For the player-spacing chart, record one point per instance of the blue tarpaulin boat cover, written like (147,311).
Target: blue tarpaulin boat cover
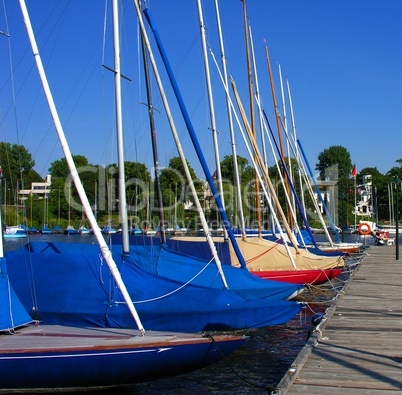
(72,285)
(12,313)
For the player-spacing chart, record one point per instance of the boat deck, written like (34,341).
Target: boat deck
(357,349)
(34,338)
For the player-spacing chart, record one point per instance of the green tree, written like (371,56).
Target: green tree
(137,171)
(175,189)
(70,205)
(31,176)
(138,179)
(227,169)
(59,168)
(246,176)
(394,172)
(17,165)
(173,177)
(335,155)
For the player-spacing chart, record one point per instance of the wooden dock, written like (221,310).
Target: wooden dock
(357,348)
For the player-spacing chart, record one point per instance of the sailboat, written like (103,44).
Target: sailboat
(84,290)
(14,232)
(159,258)
(36,357)
(83,230)
(244,251)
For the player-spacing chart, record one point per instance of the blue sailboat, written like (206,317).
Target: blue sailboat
(77,287)
(45,230)
(36,357)
(108,230)
(82,230)
(64,359)
(162,260)
(70,230)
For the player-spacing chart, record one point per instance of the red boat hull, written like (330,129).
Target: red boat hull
(313,276)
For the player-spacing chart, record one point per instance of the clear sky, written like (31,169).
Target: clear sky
(342,58)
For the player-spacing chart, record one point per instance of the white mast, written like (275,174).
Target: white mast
(73,170)
(211,108)
(295,144)
(258,97)
(285,127)
(230,120)
(178,145)
(119,128)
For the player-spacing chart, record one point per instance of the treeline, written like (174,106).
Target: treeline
(62,207)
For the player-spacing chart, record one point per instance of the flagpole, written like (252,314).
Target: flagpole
(354,176)
(355,201)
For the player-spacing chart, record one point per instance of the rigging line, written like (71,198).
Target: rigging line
(105,150)
(26,252)
(9,302)
(27,50)
(14,104)
(175,290)
(253,160)
(133,144)
(254,258)
(104,33)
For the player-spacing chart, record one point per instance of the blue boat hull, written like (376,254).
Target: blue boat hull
(44,371)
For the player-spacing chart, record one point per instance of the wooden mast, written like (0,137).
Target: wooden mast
(252,120)
(278,124)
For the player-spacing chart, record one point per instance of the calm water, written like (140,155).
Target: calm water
(255,368)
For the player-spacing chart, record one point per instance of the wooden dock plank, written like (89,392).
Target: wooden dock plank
(358,348)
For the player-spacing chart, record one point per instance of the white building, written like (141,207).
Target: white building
(364,207)
(40,189)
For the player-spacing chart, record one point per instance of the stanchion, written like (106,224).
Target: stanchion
(398,182)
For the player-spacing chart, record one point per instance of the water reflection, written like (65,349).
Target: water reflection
(255,368)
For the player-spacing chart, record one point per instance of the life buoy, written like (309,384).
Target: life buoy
(364,229)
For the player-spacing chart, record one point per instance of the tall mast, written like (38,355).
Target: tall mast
(254,159)
(119,127)
(295,144)
(211,107)
(230,120)
(285,128)
(252,121)
(153,140)
(258,99)
(178,145)
(258,162)
(278,124)
(194,139)
(74,172)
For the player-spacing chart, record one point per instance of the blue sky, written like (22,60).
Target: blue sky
(342,58)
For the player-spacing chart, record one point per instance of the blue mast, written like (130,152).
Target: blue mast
(194,140)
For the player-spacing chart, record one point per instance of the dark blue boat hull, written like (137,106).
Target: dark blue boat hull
(44,371)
